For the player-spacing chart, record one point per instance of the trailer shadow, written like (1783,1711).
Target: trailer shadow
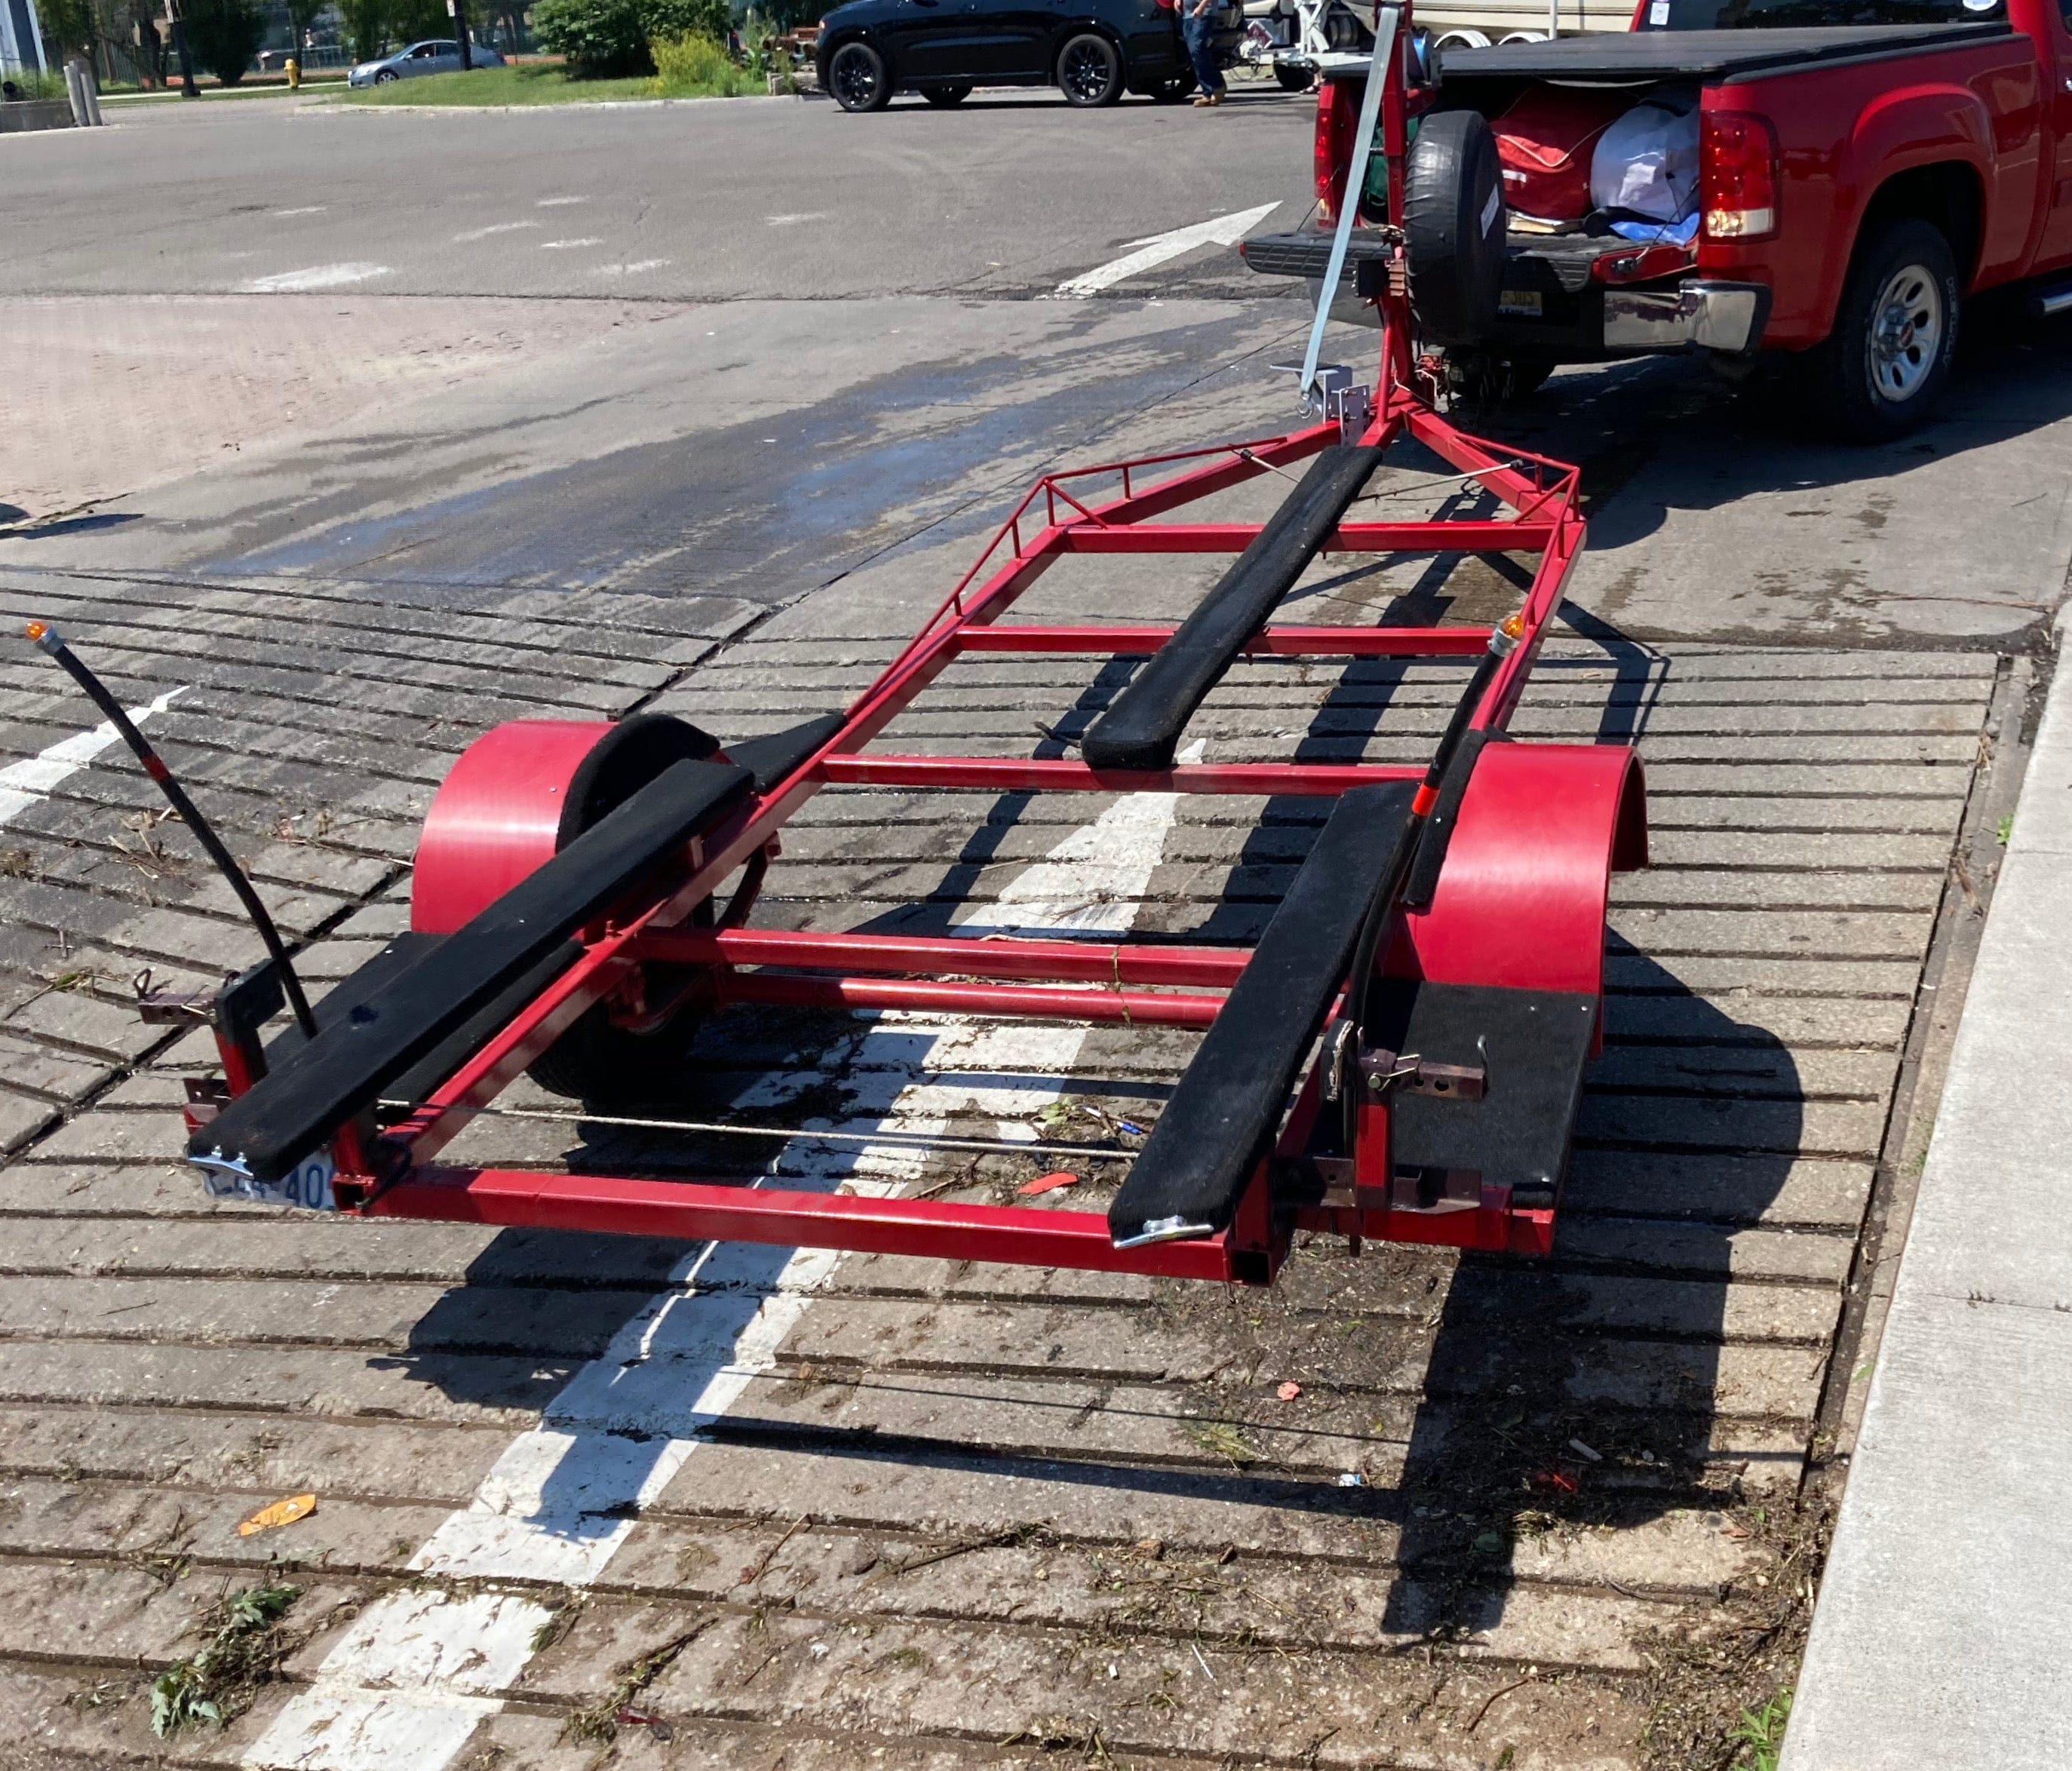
(1588,1392)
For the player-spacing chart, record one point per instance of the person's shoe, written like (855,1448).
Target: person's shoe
(1205,100)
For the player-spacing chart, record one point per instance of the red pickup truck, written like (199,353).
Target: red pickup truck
(1855,180)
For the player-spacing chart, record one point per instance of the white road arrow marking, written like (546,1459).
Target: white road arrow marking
(1223,231)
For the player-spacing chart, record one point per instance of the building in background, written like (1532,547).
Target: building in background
(21,38)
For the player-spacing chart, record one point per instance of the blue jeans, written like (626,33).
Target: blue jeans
(1195,32)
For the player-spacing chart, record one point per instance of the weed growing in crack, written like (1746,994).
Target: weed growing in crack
(243,1653)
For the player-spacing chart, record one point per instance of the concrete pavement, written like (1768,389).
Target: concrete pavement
(879,1510)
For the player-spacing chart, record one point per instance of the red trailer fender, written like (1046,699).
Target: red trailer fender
(1521,900)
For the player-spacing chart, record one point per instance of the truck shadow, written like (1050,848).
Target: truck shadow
(1654,436)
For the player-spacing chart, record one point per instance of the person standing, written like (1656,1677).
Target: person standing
(1196,30)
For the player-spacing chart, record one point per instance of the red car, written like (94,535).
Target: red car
(1860,166)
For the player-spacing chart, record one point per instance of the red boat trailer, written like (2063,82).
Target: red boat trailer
(1431,987)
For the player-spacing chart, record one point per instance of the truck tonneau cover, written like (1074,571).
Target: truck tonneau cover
(1715,55)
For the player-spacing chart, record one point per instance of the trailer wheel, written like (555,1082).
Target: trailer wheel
(605,1066)
(1454,225)
(1883,367)
(1089,71)
(1294,80)
(596,1061)
(946,96)
(1171,92)
(858,79)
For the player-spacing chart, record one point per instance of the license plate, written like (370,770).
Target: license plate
(309,1185)
(1523,303)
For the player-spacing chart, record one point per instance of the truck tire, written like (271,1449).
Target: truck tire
(1883,367)
(1454,226)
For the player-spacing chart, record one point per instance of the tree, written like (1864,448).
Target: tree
(366,26)
(225,35)
(302,14)
(67,25)
(612,36)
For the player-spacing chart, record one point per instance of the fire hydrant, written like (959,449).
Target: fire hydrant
(294,74)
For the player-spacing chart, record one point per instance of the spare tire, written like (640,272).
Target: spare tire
(1454,227)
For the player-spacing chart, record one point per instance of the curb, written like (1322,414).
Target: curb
(1939,1637)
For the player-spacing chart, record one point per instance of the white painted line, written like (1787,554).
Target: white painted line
(563,245)
(558,203)
(632,270)
(313,209)
(404,1690)
(29,783)
(497,227)
(1223,231)
(790,221)
(293,282)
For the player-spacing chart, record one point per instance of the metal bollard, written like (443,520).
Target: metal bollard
(72,92)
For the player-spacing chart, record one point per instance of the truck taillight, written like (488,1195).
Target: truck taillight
(1737,176)
(1338,117)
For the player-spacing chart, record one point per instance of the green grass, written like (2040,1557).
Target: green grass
(524,84)
(1763,1732)
(33,85)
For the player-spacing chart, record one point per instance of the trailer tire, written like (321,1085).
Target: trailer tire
(1454,226)
(1294,80)
(1883,368)
(595,1061)
(943,97)
(606,1066)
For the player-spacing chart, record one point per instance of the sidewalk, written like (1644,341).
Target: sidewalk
(1940,1637)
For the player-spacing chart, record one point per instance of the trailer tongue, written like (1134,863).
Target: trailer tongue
(1400,1056)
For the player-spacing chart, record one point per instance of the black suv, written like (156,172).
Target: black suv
(1094,51)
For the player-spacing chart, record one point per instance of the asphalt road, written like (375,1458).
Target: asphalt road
(722,200)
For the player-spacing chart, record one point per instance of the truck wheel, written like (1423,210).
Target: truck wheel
(858,79)
(1089,71)
(1883,367)
(1454,225)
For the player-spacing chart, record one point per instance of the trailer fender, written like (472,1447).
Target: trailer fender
(525,789)
(1521,899)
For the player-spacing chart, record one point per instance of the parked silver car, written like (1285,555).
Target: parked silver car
(437,56)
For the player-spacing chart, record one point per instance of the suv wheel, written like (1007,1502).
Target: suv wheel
(857,80)
(1883,365)
(1089,71)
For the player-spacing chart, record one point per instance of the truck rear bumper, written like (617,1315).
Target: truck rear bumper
(1727,317)
(1559,310)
